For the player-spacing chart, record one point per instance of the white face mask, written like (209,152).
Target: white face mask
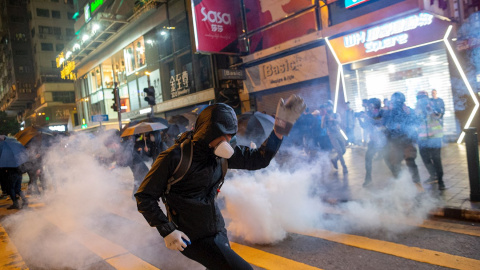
(223,150)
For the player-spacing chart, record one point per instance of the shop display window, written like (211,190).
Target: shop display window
(107,74)
(134,55)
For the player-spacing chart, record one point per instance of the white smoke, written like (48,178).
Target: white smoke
(86,193)
(264,206)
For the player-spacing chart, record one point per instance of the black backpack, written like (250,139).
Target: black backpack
(186,148)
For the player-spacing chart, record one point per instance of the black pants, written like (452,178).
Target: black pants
(372,149)
(398,150)
(215,253)
(432,158)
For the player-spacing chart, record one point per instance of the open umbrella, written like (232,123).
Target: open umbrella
(143,127)
(12,153)
(254,126)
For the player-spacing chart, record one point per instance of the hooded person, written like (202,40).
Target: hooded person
(401,126)
(195,225)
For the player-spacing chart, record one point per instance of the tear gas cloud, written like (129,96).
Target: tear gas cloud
(84,193)
(294,194)
(300,195)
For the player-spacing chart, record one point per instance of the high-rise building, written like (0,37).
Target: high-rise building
(17,91)
(51,26)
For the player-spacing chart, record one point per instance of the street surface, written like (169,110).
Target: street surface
(119,238)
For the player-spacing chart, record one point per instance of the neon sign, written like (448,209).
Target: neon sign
(387,35)
(352,3)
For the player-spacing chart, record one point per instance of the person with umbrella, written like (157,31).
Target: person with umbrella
(125,155)
(12,156)
(194,218)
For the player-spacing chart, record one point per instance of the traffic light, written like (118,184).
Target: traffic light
(115,104)
(150,98)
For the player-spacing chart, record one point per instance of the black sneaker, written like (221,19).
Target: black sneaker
(442,187)
(14,206)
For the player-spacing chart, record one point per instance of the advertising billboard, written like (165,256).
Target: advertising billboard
(260,13)
(216,25)
(287,30)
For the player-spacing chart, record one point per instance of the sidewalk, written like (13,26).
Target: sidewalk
(456,198)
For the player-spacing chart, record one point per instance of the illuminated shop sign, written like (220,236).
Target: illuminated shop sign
(87,13)
(387,35)
(352,3)
(95,4)
(406,32)
(67,67)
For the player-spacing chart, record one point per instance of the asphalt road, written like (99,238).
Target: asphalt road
(42,237)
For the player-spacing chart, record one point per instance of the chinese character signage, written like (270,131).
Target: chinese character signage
(410,31)
(352,3)
(216,25)
(179,84)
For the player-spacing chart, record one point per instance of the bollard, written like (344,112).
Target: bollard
(471,143)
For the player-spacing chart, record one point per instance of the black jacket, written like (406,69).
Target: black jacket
(192,200)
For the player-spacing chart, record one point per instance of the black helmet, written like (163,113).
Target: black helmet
(375,102)
(398,98)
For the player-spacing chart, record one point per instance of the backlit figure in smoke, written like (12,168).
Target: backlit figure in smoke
(401,125)
(194,224)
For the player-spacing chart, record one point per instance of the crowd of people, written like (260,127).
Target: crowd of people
(392,130)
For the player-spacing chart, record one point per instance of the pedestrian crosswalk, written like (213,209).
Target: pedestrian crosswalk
(303,254)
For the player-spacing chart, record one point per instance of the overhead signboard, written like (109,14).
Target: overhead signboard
(410,31)
(216,24)
(231,74)
(352,3)
(299,67)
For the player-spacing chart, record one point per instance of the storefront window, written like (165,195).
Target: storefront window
(181,33)
(205,72)
(135,56)
(119,68)
(143,83)
(164,39)
(133,94)
(155,82)
(107,74)
(409,75)
(98,78)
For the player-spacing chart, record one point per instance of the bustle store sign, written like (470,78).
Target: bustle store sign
(410,31)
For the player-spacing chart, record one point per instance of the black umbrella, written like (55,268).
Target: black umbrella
(174,129)
(12,153)
(254,126)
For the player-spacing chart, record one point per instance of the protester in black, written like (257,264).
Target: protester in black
(195,216)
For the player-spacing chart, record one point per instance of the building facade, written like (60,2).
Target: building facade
(51,27)
(16,68)
(334,49)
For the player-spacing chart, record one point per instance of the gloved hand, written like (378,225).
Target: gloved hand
(287,113)
(174,240)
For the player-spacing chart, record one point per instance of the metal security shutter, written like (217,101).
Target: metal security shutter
(313,94)
(409,75)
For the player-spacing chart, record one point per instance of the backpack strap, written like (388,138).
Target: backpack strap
(224,162)
(184,164)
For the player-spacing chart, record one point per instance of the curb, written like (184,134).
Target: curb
(457,213)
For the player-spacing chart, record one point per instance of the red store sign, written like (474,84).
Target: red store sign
(216,24)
